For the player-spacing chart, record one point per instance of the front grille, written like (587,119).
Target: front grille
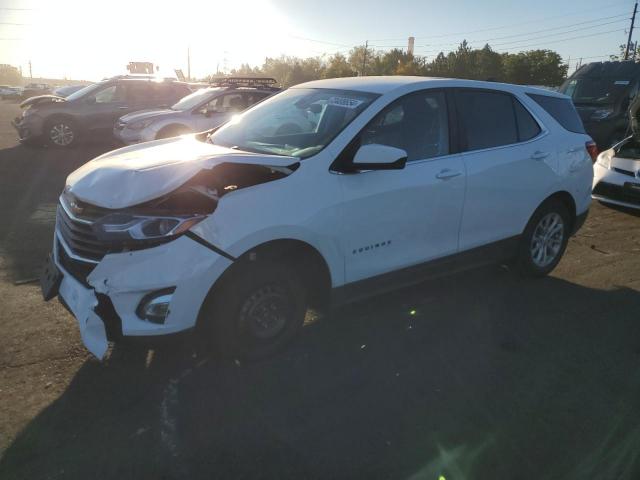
(79,236)
(624,172)
(616,192)
(76,268)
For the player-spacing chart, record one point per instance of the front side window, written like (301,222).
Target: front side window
(416,123)
(298,122)
(487,119)
(194,99)
(111,94)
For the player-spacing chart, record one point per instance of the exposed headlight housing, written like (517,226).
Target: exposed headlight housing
(604,159)
(124,227)
(601,113)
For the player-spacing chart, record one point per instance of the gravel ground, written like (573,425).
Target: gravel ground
(480,375)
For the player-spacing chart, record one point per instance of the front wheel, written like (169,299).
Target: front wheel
(256,310)
(61,133)
(544,240)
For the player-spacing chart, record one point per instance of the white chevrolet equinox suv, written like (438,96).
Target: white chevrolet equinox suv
(327,192)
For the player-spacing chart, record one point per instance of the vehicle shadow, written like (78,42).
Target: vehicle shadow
(480,375)
(31,179)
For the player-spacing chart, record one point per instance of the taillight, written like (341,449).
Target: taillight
(592,148)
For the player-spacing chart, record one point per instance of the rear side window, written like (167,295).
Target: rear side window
(528,128)
(487,119)
(562,110)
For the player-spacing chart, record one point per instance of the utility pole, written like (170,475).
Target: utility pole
(30,72)
(633,19)
(635,49)
(188,64)
(364,57)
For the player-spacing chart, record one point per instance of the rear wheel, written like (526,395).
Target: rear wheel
(61,133)
(544,240)
(256,310)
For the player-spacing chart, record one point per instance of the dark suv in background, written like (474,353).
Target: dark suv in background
(602,93)
(92,111)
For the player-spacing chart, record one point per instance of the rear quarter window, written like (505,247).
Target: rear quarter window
(562,110)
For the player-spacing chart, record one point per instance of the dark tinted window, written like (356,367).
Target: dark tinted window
(416,123)
(527,126)
(562,110)
(487,119)
(139,92)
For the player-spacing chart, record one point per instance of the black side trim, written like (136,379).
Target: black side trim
(496,252)
(210,246)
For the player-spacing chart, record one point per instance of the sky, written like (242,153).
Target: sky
(87,39)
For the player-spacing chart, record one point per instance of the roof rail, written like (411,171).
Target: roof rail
(243,82)
(141,76)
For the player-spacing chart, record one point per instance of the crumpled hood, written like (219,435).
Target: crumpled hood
(42,99)
(146,115)
(139,173)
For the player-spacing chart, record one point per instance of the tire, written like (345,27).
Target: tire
(256,310)
(544,240)
(172,131)
(61,133)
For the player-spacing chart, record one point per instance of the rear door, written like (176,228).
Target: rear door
(510,162)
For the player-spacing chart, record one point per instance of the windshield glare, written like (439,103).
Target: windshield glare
(298,122)
(596,90)
(193,99)
(83,91)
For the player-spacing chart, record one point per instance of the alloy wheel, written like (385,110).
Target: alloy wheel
(546,241)
(61,134)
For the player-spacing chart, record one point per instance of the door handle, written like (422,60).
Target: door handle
(575,149)
(124,107)
(538,155)
(447,174)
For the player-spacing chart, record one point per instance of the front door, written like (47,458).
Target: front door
(399,218)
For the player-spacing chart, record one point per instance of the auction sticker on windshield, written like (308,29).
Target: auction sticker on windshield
(345,102)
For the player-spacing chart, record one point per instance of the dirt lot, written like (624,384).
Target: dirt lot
(477,376)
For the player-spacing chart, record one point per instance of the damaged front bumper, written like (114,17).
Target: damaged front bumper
(105,298)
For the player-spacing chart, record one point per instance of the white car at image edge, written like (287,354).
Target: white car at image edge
(235,233)
(617,175)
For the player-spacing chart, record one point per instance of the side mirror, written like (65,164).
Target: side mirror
(379,157)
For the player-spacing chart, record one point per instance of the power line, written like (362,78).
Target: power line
(521,34)
(17,9)
(17,24)
(320,41)
(510,25)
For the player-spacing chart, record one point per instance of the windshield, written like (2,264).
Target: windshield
(83,91)
(194,99)
(596,90)
(298,122)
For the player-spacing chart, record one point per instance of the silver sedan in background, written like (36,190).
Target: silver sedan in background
(203,109)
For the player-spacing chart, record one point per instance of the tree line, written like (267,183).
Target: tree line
(533,67)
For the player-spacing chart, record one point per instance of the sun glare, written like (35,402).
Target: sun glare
(73,39)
